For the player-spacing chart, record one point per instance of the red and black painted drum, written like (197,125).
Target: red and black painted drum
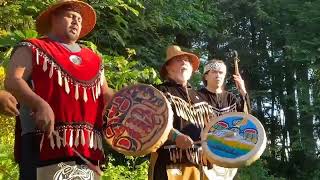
(138,120)
(234,140)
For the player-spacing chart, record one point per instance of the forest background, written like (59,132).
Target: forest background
(278,42)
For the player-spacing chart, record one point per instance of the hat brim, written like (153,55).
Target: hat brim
(43,22)
(195,62)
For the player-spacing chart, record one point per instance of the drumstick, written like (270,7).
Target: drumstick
(177,154)
(170,153)
(196,155)
(88,163)
(236,60)
(199,142)
(174,156)
(236,67)
(188,155)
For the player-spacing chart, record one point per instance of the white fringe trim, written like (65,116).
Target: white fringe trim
(198,113)
(77,137)
(64,78)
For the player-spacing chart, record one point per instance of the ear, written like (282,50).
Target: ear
(205,76)
(168,66)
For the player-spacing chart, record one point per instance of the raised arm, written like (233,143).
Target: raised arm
(243,104)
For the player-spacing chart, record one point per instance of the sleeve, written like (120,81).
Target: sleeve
(201,94)
(161,88)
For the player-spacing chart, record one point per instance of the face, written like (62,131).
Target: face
(215,78)
(67,25)
(179,68)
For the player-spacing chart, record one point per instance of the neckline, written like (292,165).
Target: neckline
(67,47)
(174,83)
(222,92)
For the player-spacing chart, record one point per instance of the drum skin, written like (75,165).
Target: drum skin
(138,120)
(234,140)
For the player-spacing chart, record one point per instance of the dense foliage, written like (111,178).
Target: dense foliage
(277,41)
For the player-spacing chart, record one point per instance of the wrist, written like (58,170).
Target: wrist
(175,135)
(243,92)
(39,104)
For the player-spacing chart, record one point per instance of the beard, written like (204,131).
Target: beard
(179,74)
(184,75)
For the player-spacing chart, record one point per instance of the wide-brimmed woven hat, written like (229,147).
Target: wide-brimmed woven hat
(174,51)
(87,12)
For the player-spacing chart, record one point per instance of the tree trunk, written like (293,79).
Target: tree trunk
(308,141)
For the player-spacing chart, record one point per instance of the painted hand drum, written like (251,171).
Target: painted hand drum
(138,120)
(234,140)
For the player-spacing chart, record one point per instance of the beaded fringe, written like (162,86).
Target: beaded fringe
(197,113)
(77,136)
(64,80)
(193,154)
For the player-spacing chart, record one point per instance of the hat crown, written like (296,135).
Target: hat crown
(62,1)
(43,25)
(173,51)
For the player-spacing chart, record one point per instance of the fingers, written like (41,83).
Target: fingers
(184,141)
(9,106)
(9,112)
(44,118)
(189,141)
(42,121)
(51,128)
(41,124)
(12,106)
(240,84)
(46,126)
(13,100)
(237,78)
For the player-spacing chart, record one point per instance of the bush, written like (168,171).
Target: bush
(8,167)
(128,171)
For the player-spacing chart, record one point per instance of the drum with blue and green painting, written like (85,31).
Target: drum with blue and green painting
(234,140)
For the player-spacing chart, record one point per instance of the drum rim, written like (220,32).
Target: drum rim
(165,132)
(241,161)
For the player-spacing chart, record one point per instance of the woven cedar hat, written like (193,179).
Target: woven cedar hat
(174,51)
(87,12)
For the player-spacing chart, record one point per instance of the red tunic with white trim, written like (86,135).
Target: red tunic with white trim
(71,84)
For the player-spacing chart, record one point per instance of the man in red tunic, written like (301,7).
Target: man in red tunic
(61,89)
